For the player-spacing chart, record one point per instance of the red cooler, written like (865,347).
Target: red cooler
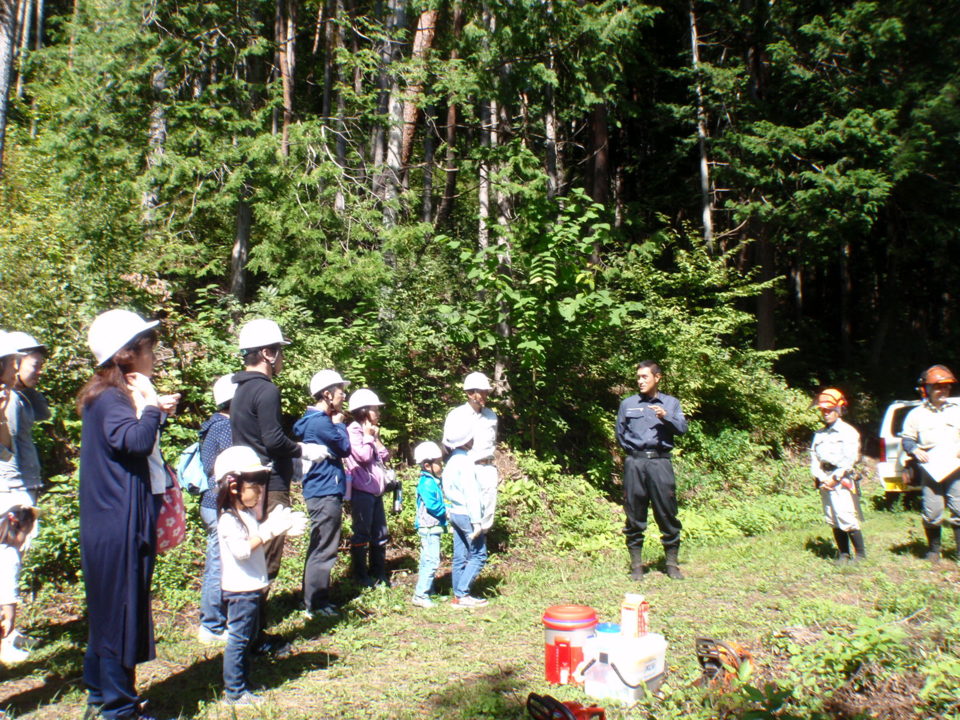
(565,630)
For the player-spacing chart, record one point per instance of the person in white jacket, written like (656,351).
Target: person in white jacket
(465,510)
(242,480)
(477,387)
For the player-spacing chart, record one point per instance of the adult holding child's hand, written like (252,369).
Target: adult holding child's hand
(122,417)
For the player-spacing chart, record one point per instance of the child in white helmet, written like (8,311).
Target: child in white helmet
(465,510)
(324,484)
(16,524)
(368,480)
(14,410)
(430,520)
(35,408)
(242,480)
(215,437)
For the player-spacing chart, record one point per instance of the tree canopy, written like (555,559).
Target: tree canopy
(756,194)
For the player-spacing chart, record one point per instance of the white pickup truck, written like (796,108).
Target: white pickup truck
(890,455)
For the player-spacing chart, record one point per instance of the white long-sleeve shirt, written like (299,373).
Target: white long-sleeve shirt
(244,570)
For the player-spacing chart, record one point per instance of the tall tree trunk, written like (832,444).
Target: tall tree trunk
(37,46)
(429,147)
(9,11)
(846,311)
(487,119)
(600,154)
(450,136)
(706,196)
(285,27)
(600,165)
(551,156)
(331,41)
(422,42)
(551,160)
(766,303)
(393,146)
(74,19)
(319,28)
(25,16)
(241,247)
(157,142)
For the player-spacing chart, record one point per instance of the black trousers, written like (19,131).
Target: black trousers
(325,520)
(650,481)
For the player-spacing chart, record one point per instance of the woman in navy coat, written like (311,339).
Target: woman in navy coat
(118,512)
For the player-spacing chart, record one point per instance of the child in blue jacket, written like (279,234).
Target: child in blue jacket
(431,519)
(323,486)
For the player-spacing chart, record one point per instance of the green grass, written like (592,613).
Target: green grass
(776,593)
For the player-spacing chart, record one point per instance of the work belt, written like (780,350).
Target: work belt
(649,454)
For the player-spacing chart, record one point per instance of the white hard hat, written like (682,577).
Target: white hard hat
(25,342)
(458,428)
(224,389)
(237,460)
(324,379)
(8,345)
(364,398)
(261,333)
(477,381)
(426,451)
(111,331)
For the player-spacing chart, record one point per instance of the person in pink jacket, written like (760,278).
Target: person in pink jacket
(369,478)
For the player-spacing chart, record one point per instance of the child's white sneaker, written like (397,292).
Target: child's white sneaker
(208,637)
(10,654)
(24,642)
(422,601)
(245,699)
(468,601)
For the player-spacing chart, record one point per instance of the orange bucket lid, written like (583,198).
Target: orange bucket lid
(569,616)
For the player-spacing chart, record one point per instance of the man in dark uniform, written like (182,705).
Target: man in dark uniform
(646,425)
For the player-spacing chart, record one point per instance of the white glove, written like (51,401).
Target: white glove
(314,452)
(298,524)
(477,531)
(276,523)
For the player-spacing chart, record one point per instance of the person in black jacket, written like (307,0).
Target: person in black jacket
(256,422)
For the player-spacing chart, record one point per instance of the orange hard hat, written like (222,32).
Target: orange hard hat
(937,374)
(830,399)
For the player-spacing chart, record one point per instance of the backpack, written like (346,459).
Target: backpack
(190,473)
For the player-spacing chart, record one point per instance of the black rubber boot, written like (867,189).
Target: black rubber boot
(358,554)
(673,565)
(843,545)
(636,563)
(933,542)
(856,537)
(378,565)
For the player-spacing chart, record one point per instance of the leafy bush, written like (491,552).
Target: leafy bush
(840,654)
(54,557)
